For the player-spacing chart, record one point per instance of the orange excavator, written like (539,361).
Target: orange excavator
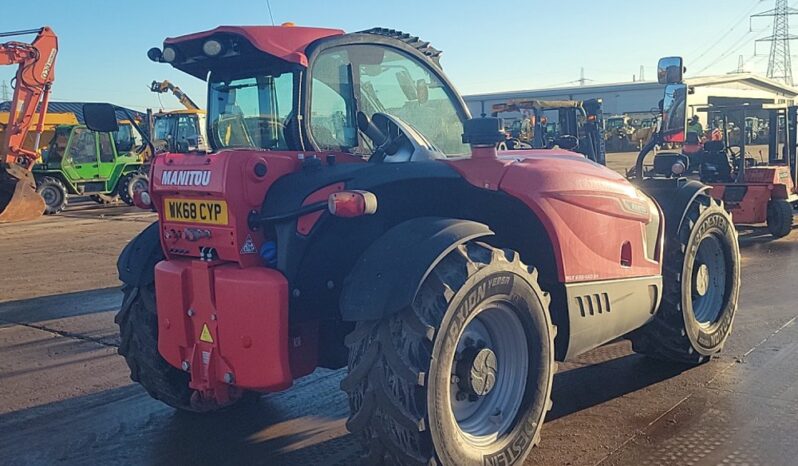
(36,60)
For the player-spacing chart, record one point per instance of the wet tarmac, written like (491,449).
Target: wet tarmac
(65,395)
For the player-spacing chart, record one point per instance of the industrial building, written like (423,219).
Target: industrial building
(639,98)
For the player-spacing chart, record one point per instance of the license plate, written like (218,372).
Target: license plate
(195,211)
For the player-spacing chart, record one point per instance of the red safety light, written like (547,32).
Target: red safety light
(142,200)
(352,203)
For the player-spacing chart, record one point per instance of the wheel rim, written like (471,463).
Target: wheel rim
(709,281)
(489,374)
(139,185)
(51,196)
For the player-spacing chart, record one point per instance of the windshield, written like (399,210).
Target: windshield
(251,111)
(163,127)
(127,138)
(614,123)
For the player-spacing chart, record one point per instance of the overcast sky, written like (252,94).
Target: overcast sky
(488,46)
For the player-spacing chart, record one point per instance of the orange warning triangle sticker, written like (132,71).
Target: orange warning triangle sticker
(206,334)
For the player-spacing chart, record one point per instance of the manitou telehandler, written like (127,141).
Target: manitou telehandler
(35,75)
(352,215)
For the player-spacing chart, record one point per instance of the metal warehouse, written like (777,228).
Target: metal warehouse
(641,97)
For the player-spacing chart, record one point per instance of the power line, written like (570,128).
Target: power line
(780,61)
(727,33)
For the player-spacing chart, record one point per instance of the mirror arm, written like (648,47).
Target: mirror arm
(656,139)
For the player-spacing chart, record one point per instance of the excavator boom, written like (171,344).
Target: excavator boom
(35,74)
(165,86)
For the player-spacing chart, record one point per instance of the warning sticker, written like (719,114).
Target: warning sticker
(249,246)
(206,334)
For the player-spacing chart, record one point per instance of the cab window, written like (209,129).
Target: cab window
(83,146)
(332,108)
(377,79)
(106,148)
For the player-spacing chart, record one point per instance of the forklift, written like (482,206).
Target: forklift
(569,124)
(753,190)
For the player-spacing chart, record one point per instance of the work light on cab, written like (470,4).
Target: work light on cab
(212,48)
(169,54)
(352,203)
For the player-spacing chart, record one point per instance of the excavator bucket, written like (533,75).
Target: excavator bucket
(19,200)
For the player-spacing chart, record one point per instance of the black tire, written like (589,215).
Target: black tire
(129,184)
(138,327)
(697,313)
(54,193)
(105,199)
(400,402)
(779,217)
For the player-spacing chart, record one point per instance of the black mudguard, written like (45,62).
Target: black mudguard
(674,196)
(136,264)
(387,276)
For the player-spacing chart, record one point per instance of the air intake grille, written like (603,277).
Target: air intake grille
(593,304)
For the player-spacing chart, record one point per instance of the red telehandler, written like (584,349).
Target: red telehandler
(352,215)
(18,198)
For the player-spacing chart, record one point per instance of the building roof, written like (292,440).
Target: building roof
(77,109)
(750,79)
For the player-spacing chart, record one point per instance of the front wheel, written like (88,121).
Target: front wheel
(54,193)
(701,275)
(779,218)
(130,184)
(463,375)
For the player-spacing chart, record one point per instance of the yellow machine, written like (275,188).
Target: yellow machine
(178,130)
(51,121)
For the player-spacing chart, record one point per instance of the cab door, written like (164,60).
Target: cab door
(107,156)
(81,160)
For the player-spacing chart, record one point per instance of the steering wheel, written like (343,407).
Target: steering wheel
(567,142)
(394,138)
(734,151)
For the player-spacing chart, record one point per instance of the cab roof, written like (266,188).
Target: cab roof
(285,42)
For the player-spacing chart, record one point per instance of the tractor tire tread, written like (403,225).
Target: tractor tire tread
(389,358)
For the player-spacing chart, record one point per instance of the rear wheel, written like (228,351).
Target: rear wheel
(138,326)
(463,375)
(130,184)
(54,193)
(779,217)
(701,277)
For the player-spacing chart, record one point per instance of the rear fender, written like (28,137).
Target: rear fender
(136,264)
(387,276)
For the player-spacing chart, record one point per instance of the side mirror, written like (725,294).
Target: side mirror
(674,113)
(422,90)
(670,70)
(406,84)
(100,117)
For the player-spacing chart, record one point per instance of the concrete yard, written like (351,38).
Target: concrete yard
(66,396)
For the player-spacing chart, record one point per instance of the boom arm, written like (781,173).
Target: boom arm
(166,86)
(32,87)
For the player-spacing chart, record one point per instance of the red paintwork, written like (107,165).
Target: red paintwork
(305,223)
(246,312)
(287,43)
(762,184)
(588,210)
(232,178)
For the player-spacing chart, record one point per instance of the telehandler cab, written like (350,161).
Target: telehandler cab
(352,215)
